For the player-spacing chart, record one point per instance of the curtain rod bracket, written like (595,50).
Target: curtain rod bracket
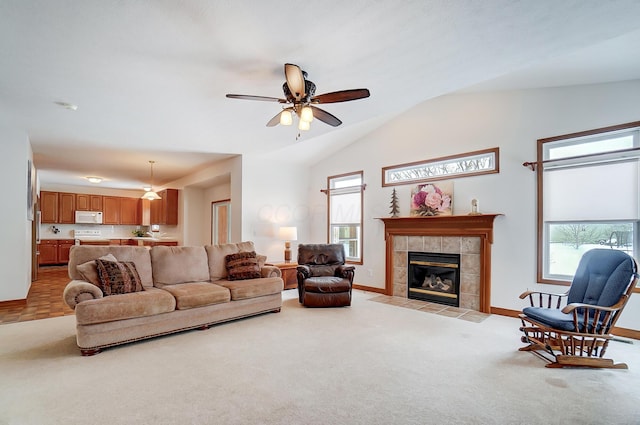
(530,165)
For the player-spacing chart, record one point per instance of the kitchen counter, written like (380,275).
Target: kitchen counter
(145,241)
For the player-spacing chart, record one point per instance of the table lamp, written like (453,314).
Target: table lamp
(288,234)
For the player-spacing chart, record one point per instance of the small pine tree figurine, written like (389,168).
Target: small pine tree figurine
(395,210)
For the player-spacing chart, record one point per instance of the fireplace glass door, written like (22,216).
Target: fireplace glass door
(434,277)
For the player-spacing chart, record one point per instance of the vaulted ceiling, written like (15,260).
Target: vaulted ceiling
(149,77)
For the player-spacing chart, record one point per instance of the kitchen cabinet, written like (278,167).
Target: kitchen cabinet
(165,210)
(54,251)
(120,210)
(66,208)
(129,211)
(49,207)
(87,202)
(64,245)
(111,210)
(96,242)
(143,242)
(48,249)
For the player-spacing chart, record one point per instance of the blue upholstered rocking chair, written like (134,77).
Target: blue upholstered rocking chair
(577,335)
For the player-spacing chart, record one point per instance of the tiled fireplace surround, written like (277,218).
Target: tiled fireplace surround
(467,247)
(469,236)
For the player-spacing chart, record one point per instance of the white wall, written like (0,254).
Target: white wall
(274,195)
(15,251)
(454,124)
(198,190)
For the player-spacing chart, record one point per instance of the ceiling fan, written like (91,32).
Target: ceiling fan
(300,94)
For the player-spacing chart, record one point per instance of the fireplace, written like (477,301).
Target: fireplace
(470,236)
(434,277)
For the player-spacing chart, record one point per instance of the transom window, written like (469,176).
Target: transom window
(345,213)
(588,184)
(466,164)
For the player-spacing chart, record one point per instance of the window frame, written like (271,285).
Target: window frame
(445,159)
(361,186)
(542,144)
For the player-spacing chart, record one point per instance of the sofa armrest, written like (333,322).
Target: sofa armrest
(77,291)
(270,271)
(346,272)
(303,270)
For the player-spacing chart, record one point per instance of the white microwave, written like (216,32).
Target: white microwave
(89,217)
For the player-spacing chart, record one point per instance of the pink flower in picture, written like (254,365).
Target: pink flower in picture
(430,200)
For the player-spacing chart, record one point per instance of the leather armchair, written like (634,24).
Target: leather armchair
(323,278)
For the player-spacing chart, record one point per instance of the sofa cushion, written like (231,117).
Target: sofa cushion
(89,270)
(217,254)
(197,294)
(252,288)
(242,265)
(118,277)
(217,262)
(179,264)
(149,302)
(80,254)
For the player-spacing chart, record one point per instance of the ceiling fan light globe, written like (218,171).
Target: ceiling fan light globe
(303,125)
(306,114)
(286,118)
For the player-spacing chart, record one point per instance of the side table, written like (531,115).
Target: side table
(289,273)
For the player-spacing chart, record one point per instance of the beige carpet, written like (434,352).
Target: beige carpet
(372,363)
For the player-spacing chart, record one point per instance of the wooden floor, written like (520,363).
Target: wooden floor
(44,299)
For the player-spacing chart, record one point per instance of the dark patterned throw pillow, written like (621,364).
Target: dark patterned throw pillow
(243,265)
(118,277)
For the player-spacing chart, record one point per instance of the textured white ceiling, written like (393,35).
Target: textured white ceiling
(149,77)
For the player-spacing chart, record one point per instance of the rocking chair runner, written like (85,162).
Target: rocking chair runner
(578,334)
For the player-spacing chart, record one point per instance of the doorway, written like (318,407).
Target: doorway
(221,222)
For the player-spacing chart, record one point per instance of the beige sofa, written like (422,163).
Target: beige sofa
(183,288)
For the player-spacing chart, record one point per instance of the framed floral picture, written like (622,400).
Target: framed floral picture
(432,199)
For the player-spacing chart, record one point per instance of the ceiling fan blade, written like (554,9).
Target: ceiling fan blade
(276,120)
(325,117)
(295,80)
(250,97)
(341,96)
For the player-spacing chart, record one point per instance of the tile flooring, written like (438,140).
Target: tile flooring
(427,307)
(44,299)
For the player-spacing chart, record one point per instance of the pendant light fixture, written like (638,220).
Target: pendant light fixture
(150,194)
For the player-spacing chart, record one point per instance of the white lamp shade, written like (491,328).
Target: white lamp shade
(303,125)
(151,195)
(306,114)
(286,118)
(288,233)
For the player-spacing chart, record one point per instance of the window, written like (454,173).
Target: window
(466,164)
(588,197)
(345,213)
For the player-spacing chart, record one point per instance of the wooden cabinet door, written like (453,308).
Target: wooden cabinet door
(170,206)
(83,202)
(48,250)
(64,245)
(49,207)
(155,211)
(95,202)
(129,211)
(66,208)
(111,210)
(165,210)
